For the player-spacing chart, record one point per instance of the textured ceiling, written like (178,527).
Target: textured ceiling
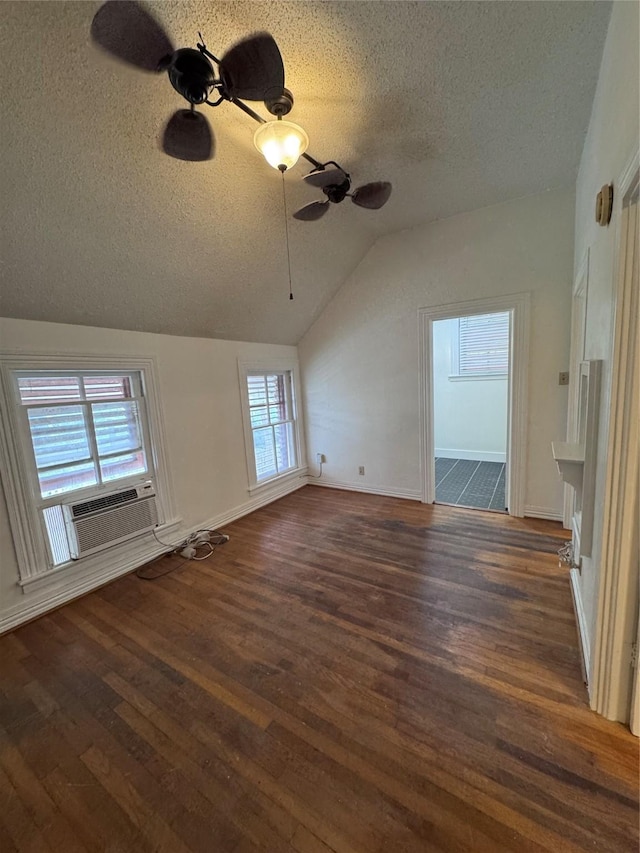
(459,104)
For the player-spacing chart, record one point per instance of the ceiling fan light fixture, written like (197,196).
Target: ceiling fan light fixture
(281,143)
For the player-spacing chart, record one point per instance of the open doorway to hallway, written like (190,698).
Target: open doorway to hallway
(471,365)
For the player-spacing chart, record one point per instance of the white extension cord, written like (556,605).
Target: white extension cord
(202,539)
(195,542)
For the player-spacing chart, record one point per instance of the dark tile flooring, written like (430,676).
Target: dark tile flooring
(465,482)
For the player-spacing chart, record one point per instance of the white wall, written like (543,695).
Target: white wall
(359,360)
(611,141)
(200,397)
(469,415)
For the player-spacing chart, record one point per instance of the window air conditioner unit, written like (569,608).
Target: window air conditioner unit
(109,519)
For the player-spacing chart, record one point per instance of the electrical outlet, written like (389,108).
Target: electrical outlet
(320,458)
(563,378)
(361,470)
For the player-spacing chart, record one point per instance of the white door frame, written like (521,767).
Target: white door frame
(618,587)
(518,306)
(576,357)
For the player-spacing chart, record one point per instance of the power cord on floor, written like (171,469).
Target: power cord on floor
(565,556)
(316,476)
(199,545)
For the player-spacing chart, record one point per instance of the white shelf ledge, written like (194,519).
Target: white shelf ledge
(570,461)
(566,452)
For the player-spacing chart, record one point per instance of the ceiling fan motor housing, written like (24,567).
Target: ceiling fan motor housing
(191,75)
(337,192)
(279,102)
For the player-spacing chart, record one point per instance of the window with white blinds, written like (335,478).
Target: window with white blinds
(482,346)
(86,429)
(271,417)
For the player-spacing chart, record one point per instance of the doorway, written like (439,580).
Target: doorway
(512,475)
(470,409)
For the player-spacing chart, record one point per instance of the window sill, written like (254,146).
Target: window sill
(84,569)
(483,377)
(280,479)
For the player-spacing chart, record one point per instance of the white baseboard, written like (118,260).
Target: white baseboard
(52,589)
(254,504)
(473,455)
(547,512)
(581,621)
(407,494)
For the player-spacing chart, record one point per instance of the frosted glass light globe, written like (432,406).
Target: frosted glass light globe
(281,143)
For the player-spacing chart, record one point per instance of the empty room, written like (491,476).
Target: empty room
(319,412)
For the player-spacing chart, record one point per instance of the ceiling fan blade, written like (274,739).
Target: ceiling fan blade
(125,30)
(372,196)
(188,136)
(253,69)
(325,178)
(312,211)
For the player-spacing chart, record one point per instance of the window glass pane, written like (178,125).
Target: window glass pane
(56,481)
(259,416)
(257,390)
(276,414)
(127,465)
(264,453)
(274,387)
(117,427)
(484,343)
(285,457)
(58,434)
(49,389)
(99,387)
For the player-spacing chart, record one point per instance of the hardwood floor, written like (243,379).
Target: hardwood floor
(349,673)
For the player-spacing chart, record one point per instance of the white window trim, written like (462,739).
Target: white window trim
(245,368)
(28,536)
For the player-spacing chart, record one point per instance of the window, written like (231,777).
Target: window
(67,434)
(271,416)
(85,429)
(481,346)
(270,422)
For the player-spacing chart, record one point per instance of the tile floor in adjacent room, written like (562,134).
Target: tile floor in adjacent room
(467,482)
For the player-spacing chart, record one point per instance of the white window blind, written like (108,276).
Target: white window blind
(272,423)
(483,344)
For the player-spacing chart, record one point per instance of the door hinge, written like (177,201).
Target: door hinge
(634,655)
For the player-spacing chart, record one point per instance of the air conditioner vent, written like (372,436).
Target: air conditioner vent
(104,502)
(110,519)
(115,525)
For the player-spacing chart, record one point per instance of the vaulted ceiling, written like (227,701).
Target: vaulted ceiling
(458,104)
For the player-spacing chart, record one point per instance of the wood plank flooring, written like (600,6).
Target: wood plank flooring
(350,673)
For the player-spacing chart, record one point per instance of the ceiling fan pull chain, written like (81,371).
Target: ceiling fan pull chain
(286,231)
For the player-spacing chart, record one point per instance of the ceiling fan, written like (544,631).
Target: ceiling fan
(251,70)
(336,185)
